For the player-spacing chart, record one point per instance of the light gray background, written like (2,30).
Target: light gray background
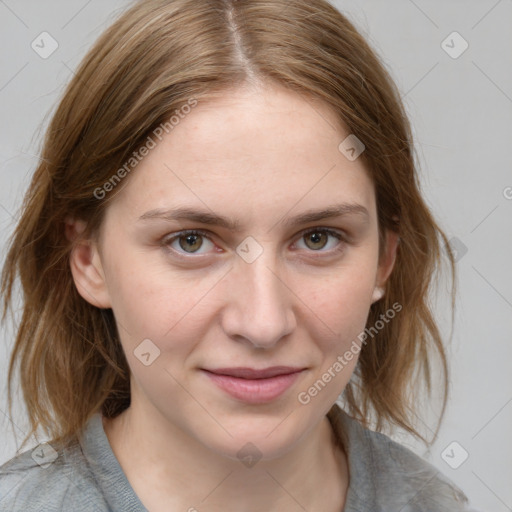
(461,110)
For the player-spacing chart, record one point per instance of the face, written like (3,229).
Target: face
(268,285)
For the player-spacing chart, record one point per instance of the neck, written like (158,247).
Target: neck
(169,470)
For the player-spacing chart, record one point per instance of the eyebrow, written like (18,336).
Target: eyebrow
(205,217)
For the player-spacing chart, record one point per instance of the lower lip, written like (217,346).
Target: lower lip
(254,391)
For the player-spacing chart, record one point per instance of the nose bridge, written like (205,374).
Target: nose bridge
(259,304)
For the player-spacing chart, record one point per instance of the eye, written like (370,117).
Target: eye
(191,241)
(187,241)
(317,239)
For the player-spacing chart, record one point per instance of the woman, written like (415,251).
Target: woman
(224,235)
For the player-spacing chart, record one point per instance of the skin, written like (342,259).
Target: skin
(261,155)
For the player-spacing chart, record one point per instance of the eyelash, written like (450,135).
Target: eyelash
(166,241)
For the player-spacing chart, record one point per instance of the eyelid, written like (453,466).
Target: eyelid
(167,240)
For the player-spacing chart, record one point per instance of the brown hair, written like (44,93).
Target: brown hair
(156,57)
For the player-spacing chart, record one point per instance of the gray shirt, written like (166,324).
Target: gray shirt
(384,476)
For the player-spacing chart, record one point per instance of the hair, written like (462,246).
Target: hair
(156,57)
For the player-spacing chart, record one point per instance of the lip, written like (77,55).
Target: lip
(254,386)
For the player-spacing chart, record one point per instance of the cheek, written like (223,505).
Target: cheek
(341,307)
(160,318)
(157,303)
(341,311)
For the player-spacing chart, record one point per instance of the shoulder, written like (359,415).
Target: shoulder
(418,485)
(387,476)
(42,479)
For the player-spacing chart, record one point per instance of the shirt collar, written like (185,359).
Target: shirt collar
(116,488)
(361,493)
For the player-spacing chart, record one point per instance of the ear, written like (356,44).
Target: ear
(387,263)
(86,267)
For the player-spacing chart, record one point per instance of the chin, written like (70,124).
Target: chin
(263,439)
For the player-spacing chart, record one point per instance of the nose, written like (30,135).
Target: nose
(259,307)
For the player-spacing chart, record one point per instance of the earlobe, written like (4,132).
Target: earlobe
(378,293)
(86,267)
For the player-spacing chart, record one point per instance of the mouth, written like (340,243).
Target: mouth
(254,386)
(254,374)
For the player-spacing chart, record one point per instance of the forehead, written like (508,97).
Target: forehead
(249,150)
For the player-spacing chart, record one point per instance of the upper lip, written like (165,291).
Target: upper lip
(252,373)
